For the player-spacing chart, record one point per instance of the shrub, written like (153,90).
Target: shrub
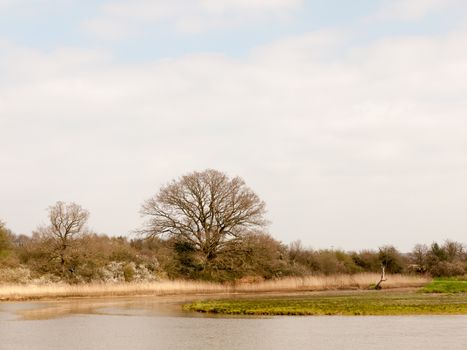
(367,260)
(447,269)
(129,272)
(15,275)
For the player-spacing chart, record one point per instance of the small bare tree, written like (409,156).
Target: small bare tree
(67,222)
(382,278)
(206,209)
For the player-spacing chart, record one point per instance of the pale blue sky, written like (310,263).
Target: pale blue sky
(51,24)
(347,117)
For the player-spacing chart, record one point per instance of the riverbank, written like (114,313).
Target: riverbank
(18,292)
(357,303)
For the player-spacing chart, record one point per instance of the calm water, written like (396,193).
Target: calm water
(159,324)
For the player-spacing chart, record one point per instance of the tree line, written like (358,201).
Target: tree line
(203,225)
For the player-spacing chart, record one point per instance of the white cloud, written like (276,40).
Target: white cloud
(5,3)
(250,5)
(311,46)
(367,147)
(26,6)
(409,10)
(124,18)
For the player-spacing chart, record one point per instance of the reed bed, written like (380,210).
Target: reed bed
(291,284)
(59,290)
(333,282)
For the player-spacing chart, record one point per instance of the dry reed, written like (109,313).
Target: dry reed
(333,282)
(291,284)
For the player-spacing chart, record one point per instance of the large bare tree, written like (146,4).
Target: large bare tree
(67,222)
(206,209)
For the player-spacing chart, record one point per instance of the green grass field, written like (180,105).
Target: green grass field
(366,303)
(446,285)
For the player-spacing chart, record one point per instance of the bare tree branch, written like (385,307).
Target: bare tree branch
(204,208)
(67,222)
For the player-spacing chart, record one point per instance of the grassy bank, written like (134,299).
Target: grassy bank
(311,283)
(446,285)
(369,303)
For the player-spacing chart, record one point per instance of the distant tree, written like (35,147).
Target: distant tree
(438,253)
(204,210)
(295,250)
(67,223)
(447,259)
(5,240)
(418,258)
(454,250)
(391,259)
(3,236)
(367,260)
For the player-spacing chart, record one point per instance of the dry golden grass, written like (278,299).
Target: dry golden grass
(332,282)
(311,283)
(24,292)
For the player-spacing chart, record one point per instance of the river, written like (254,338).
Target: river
(159,323)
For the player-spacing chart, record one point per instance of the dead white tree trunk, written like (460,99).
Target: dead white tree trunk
(382,279)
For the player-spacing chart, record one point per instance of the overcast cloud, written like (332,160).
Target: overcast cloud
(352,142)
(117,19)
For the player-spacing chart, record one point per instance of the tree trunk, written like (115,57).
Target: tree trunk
(382,279)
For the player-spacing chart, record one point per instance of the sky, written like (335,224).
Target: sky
(348,118)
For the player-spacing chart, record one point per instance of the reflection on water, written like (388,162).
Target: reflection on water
(123,306)
(159,323)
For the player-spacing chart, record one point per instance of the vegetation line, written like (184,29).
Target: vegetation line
(203,226)
(293,284)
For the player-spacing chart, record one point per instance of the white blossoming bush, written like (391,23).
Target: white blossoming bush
(115,272)
(20,275)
